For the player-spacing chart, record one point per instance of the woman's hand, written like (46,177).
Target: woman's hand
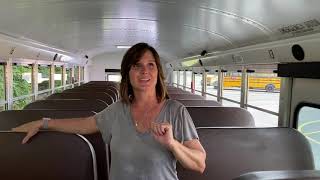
(162,132)
(31,128)
(190,153)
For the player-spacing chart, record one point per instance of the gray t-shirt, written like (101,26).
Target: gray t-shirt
(138,156)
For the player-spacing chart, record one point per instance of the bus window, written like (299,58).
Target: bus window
(198,83)
(175,77)
(43,81)
(58,79)
(231,89)
(22,86)
(188,80)
(264,93)
(114,77)
(212,84)
(263,119)
(266,82)
(76,74)
(2,90)
(68,78)
(181,78)
(308,123)
(82,75)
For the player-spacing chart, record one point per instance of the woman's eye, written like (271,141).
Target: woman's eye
(151,65)
(135,66)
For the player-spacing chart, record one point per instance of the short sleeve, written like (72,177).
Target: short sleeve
(104,121)
(185,129)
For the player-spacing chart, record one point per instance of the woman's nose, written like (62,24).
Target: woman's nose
(144,69)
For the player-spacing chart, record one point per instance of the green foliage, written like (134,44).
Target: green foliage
(68,71)
(21,86)
(43,86)
(19,104)
(58,90)
(57,83)
(45,71)
(58,70)
(76,73)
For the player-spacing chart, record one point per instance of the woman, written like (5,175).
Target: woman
(146,131)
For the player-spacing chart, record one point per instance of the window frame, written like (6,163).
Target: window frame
(298,109)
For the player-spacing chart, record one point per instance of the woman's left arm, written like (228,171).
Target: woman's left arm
(190,154)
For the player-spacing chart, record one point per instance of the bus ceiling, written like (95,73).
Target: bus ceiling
(186,33)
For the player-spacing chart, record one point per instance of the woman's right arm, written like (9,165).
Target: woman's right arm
(75,125)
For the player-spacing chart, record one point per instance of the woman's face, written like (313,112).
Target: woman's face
(143,75)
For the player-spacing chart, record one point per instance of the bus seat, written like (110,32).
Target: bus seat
(281,175)
(235,151)
(82,95)
(102,83)
(178,91)
(112,93)
(14,118)
(69,104)
(221,117)
(49,156)
(185,96)
(197,102)
(99,88)
(116,90)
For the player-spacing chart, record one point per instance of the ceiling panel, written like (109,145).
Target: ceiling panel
(178,28)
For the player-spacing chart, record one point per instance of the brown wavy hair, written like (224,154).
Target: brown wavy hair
(131,57)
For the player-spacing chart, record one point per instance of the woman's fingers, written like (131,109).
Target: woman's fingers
(29,135)
(154,129)
(159,129)
(30,128)
(166,127)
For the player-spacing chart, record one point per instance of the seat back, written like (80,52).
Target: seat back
(14,118)
(185,96)
(281,175)
(111,92)
(235,151)
(221,117)
(197,102)
(82,95)
(95,105)
(178,91)
(101,83)
(49,155)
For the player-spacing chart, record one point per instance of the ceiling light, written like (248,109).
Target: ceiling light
(123,47)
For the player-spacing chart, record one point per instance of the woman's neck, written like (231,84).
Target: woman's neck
(141,99)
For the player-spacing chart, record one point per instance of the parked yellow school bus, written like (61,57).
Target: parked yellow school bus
(270,84)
